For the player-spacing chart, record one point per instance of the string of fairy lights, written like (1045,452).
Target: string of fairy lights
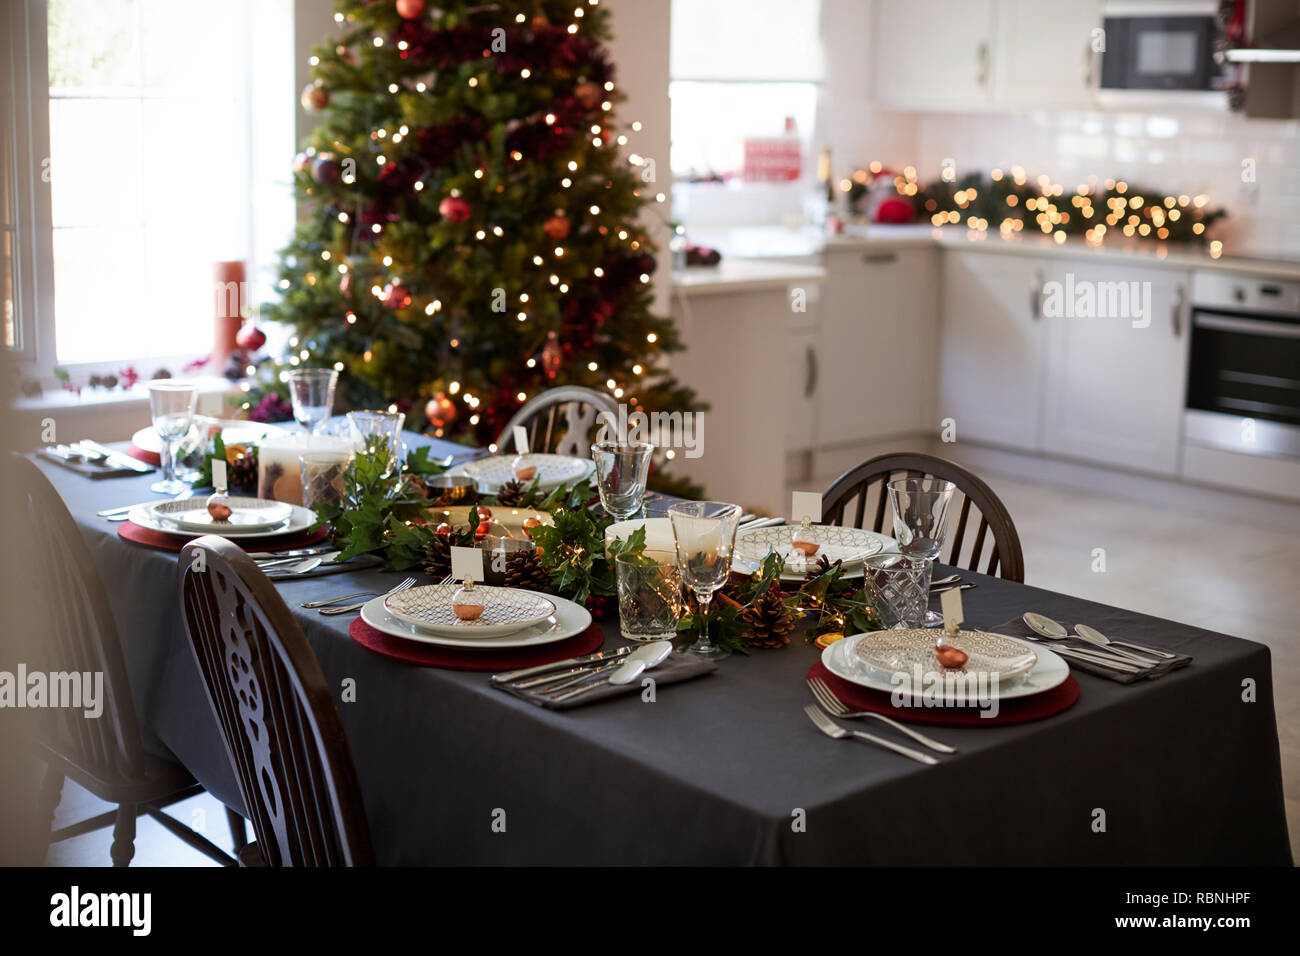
(550,262)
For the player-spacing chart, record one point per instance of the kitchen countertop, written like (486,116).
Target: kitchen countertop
(752,243)
(742,274)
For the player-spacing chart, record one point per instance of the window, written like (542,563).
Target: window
(159,155)
(739,69)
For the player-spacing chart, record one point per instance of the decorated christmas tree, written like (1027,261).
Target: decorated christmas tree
(473,235)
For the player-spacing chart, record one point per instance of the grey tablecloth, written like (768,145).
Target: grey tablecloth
(727,769)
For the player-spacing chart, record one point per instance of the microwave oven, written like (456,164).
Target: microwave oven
(1159,51)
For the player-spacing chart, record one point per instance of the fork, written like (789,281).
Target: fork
(837,708)
(832,729)
(347,608)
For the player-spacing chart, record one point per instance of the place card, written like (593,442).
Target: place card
(953,616)
(521,440)
(806,504)
(467,563)
(218,474)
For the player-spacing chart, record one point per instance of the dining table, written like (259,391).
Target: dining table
(726,769)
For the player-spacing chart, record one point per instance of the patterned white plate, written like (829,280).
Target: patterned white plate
(842,660)
(902,650)
(569,619)
(850,545)
(505,610)
(300,519)
(247,514)
(552,471)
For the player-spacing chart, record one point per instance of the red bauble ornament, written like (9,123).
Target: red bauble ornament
(454,209)
(556,227)
(410,9)
(441,411)
(396,295)
(588,94)
(326,170)
(552,355)
(894,210)
(315,96)
(250,338)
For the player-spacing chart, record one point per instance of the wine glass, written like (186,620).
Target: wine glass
(380,434)
(621,469)
(171,404)
(312,392)
(920,520)
(705,532)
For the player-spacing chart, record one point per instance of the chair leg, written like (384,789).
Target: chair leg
(238,832)
(50,796)
(124,835)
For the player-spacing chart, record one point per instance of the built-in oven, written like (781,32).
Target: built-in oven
(1243,382)
(1159,46)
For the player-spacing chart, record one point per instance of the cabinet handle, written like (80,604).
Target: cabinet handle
(1089,65)
(879,258)
(1036,298)
(1176,314)
(982,58)
(810,384)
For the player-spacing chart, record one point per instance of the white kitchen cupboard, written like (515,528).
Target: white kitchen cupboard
(992,346)
(1044,52)
(933,53)
(1115,391)
(877,350)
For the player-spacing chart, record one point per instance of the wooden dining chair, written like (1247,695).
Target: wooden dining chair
(105,754)
(560,420)
(282,730)
(974,501)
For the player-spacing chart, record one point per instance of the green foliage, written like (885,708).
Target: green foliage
(573,547)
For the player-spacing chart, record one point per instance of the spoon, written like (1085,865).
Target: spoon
(1044,626)
(1094,636)
(630,669)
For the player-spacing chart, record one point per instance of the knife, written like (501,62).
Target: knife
(116,458)
(596,658)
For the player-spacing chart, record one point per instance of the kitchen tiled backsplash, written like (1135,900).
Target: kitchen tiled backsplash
(1184,152)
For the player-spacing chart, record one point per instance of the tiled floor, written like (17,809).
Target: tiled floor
(1232,577)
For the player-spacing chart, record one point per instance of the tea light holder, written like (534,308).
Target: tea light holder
(450,490)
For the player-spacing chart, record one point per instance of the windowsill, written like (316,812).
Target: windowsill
(62,400)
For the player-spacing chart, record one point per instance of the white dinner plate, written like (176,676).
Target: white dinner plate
(1050,671)
(569,619)
(246,514)
(901,649)
(552,471)
(505,610)
(233,432)
(300,519)
(841,544)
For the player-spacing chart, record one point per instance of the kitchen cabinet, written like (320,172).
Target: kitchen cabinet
(1115,382)
(991,347)
(876,351)
(802,378)
(1044,52)
(932,53)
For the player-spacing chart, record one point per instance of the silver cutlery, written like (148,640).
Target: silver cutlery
(279,564)
(572,665)
(114,458)
(950,579)
(272,557)
(623,672)
(837,708)
(348,608)
(951,587)
(302,567)
(834,730)
(1044,626)
(336,600)
(1114,663)
(1098,637)
(1095,637)
(760,523)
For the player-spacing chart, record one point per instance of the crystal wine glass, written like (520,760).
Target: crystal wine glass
(621,469)
(172,406)
(312,392)
(380,434)
(705,532)
(920,508)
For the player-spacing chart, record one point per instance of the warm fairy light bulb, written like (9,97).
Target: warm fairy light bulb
(652,338)
(595,210)
(598,272)
(352,318)
(622,141)
(519,18)
(473,81)
(609,85)
(478,174)
(559,251)
(595,129)
(566,182)
(537,260)
(523,297)
(379,41)
(525,73)
(591,366)
(343,217)
(314,61)
(522,316)
(420,87)
(636,127)
(564,287)
(498,231)
(325,255)
(573,167)
(610,383)
(388,261)
(550,119)
(573,28)
(636,369)
(480,234)
(531,363)
(402,44)
(393,87)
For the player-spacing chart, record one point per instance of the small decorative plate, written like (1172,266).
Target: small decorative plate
(569,619)
(900,651)
(552,471)
(504,610)
(247,514)
(299,519)
(850,545)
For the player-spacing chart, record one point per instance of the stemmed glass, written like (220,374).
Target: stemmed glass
(621,469)
(380,433)
(705,532)
(312,392)
(172,406)
(920,521)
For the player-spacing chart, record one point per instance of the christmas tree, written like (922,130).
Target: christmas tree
(473,236)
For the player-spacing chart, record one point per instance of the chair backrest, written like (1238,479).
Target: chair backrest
(77,636)
(994,534)
(281,727)
(560,420)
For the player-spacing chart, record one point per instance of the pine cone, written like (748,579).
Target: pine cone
(770,621)
(821,567)
(524,570)
(437,557)
(511,493)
